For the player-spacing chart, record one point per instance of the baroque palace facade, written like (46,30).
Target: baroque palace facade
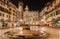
(9,13)
(30,17)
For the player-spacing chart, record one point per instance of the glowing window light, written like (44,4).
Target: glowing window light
(21,20)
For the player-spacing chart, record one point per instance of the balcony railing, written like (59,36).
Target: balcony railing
(53,9)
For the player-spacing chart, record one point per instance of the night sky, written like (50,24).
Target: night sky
(32,4)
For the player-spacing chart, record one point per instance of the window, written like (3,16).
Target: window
(13,10)
(54,2)
(27,28)
(7,2)
(51,5)
(47,7)
(57,12)
(3,15)
(51,15)
(10,9)
(5,24)
(0,14)
(1,3)
(4,10)
(7,15)
(9,12)
(4,0)
(46,13)
(12,24)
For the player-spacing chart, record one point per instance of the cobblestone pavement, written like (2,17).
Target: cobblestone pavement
(53,33)
(2,31)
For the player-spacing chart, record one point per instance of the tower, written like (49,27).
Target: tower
(26,9)
(20,7)
(26,15)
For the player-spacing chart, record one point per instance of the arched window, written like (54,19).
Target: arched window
(57,12)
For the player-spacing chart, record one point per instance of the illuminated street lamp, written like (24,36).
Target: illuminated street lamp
(43,29)
(33,23)
(37,22)
(58,21)
(15,24)
(42,20)
(21,30)
(21,20)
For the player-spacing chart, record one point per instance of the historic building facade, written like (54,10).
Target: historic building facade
(51,9)
(30,17)
(51,13)
(8,13)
